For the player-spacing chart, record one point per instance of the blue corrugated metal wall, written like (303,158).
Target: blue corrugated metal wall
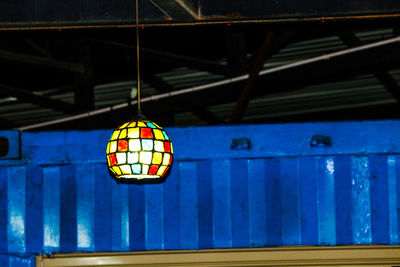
(59,197)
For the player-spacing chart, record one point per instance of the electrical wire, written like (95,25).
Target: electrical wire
(137,53)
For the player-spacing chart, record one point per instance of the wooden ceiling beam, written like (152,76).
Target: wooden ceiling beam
(267,49)
(40,61)
(273,41)
(26,96)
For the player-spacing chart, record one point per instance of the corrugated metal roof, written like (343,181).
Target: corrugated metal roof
(362,90)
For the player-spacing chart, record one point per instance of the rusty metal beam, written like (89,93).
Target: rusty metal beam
(266,50)
(351,40)
(40,61)
(178,9)
(26,96)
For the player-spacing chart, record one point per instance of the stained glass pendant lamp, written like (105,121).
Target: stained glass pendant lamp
(139,151)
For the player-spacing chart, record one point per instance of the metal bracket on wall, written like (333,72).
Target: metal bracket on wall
(241,144)
(10,145)
(320,141)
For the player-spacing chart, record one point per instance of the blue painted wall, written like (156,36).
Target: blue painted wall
(59,198)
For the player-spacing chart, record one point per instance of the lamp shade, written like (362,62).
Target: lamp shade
(139,152)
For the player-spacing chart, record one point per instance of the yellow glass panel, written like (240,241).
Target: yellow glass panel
(157,158)
(124,125)
(115,135)
(121,158)
(108,148)
(108,161)
(141,124)
(158,126)
(122,135)
(116,170)
(166,159)
(133,133)
(161,170)
(133,157)
(159,146)
(113,146)
(172,150)
(134,144)
(126,169)
(145,169)
(158,134)
(132,124)
(145,157)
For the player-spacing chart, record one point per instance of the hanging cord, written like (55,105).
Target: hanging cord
(137,54)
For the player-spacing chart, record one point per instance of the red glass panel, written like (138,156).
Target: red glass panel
(170,160)
(167,147)
(153,169)
(122,145)
(113,159)
(146,133)
(166,169)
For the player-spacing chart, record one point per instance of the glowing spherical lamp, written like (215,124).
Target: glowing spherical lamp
(139,152)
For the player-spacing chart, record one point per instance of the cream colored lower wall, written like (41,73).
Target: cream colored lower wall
(381,256)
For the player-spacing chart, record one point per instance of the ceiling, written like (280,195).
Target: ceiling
(82,78)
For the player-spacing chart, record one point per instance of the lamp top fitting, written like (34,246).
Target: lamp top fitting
(140,116)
